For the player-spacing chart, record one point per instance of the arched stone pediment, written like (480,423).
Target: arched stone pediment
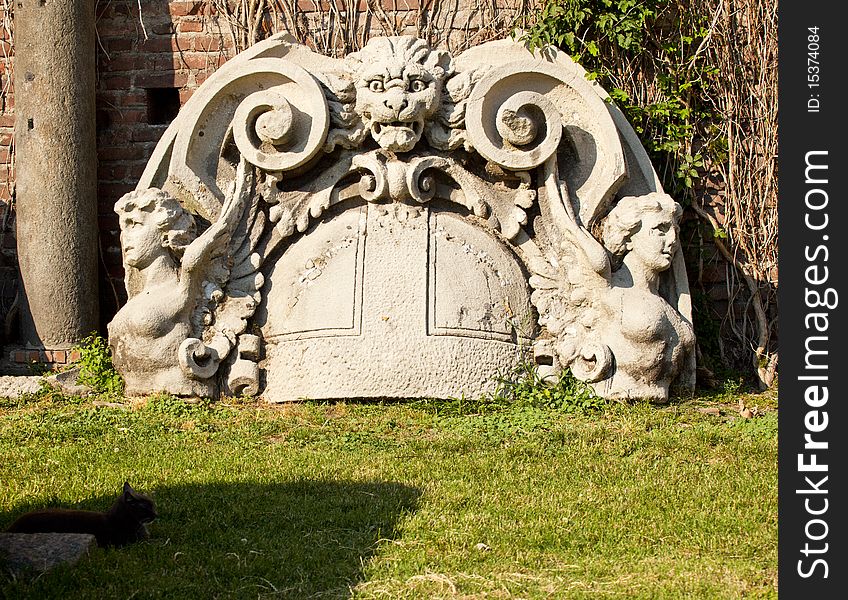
(403,223)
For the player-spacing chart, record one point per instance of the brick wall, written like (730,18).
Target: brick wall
(8,254)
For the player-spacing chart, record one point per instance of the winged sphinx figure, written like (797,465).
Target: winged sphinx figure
(496,160)
(174,280)
(604,303)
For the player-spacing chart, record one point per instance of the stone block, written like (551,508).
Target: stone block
(20,552)
(12,386)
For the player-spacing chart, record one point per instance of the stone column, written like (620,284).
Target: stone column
(56,169)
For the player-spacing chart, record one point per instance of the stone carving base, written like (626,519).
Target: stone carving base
(369,305)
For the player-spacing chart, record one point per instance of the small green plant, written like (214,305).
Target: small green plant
(95,366)
(524,387)
(37,368)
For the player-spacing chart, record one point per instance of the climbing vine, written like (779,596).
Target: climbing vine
(338,27)
(606,35)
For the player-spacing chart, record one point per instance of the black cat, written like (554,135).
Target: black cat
(122,524)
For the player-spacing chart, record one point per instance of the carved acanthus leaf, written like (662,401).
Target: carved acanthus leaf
(447,130)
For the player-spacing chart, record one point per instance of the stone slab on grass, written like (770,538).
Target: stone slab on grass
(12,386)
(42,551)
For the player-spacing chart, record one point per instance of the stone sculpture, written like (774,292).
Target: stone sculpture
(166,265)
(400,223)
(614,328)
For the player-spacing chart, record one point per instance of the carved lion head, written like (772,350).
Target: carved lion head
(399,83)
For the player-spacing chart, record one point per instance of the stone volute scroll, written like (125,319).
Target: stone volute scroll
(400,223)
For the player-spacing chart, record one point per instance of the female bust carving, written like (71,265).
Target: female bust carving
(165,266)
(616,324)
(651,341)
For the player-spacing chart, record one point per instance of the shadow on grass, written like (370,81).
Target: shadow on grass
(301,539)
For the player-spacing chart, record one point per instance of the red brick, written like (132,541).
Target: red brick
(33,356)
(114,190)
(117,44)
(169,62)
(150,133)
(198,60)
(74,356)
(387,5)
(19,356)
(122,62)
(125,152)
(120,27)
(162,44)
(106,172)
(205,42)
(182,9)
(313,5)
(189,26)
(164,28)
(131,99)
(160,80)
(166,62)
(53,356)
(115,9)
(135,170)
(119,82)
(129,115)
(7,120)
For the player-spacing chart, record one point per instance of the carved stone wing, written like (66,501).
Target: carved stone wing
(568,294)
(231,293)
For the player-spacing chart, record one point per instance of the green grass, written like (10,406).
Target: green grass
(391,500)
